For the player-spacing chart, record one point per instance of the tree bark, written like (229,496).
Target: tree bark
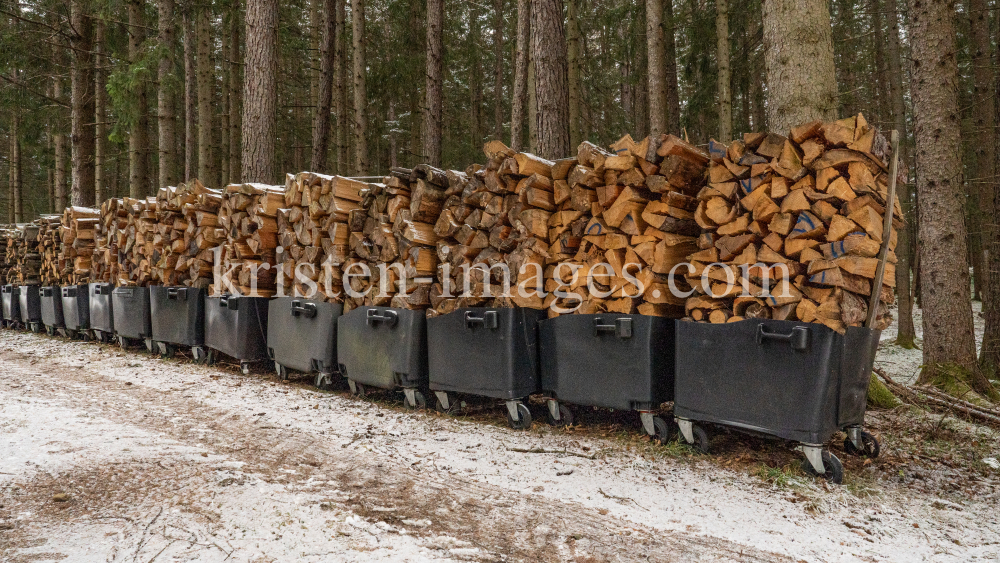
(59,137)
(905,332)
(235,95)
(722,57)
(165,100)
(573,71)
(340,89)
(260,91)
(324,89)
(360,91)
(671,88)
(532,105)
(138,140)
(798,53)
(433,91)
(520,74)
(475,78)
(989,354)
(82,105)
(984,138)
(948,332)
(101,191)
(498,96)
(16,182)
(206,90)
(190,98)
(548,46)
(657,67)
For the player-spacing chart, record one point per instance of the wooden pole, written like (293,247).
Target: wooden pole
(890,208)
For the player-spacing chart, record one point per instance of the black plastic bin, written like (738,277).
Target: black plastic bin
(302,335)
(30,298)
(76,309)
(383,347)
(10,296)
(615,361)
(102,318)
(177,315)
(487,352)
(237,327)
(130,306)
(797,381)
(52,309)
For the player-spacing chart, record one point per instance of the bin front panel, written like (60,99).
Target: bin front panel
(302,333)
(76,306)
(52,309)
(101,307)
(484,351)
(131,312)
(611,360)
(237,326)
(177,315)
(11,297)
(775,377)
(858,359)
(30,301)
(383,347)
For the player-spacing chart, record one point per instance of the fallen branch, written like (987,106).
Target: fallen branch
(934,399)
(544,451)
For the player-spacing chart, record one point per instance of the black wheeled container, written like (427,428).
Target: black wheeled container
(52,309)
(302,335)
(102,318)
(383,347)
(30,299)
(490,352)
(76,309)
(237,327)
(10,298)
(615,361)
(793,380)
(177,318)
(130,306)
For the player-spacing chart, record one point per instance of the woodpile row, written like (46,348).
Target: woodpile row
(812,202)
(77,234)
(134,242)
(7,261)
(22,253)
(114,218)
(248,217)
(186,231)
(48,240)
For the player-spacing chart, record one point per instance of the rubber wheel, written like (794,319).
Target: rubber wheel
(834,468)
(420,401)
(324,381)
(664,431)
(524,422)
(122,342)
(438,406)
(72,334)
(36,327)
(870,447)
(700,439)
(50,331)
(167,351)
(565,416)
(361,391)
(210,357)
(245,369)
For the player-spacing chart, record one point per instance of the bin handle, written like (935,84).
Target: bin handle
(176,293)
(389,317)
(69,291)
(46,292)
(488,320)
(622,327)
(307,310)
(798,338)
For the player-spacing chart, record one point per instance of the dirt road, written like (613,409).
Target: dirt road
(108,455)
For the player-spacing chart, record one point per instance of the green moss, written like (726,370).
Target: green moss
(908,343)
(879,396)
(956,381)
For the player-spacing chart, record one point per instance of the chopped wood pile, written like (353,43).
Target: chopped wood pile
(7,261)
(135,242)
(811,202)
(248,215)
(186,231)
(114,218)
(22,251)
(78,232)
(48,240)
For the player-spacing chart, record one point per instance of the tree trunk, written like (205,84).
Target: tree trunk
(722,57)
(360,91)
(573,71)
(100,116)
(393,144)
(235,94)
(905,332)
(671,89)
(498,96)
(82,105)
(16,183)
(476,78)
(532,105)
(165,100)
(324,90)
(340,88)
(59,138)
(260,91)
(948,332)
(548,47)
(520,74)
(435,70)
(798,52)
(190,98)
(989,354)
(984,137)
(657,67)
(206,89)
(138,140)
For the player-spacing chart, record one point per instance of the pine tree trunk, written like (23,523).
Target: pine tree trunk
(498,96)
(984,138)
(573,71)
(165,101)
(671,89)
(393,143)
(532,105)
(100,115)
(190,98)
(82,105)
(434,73)
(989,354)
(548,47)
(657,80)
(722,57)
(360,91)
(235,94)
(520,74)
(260,91)
(59,137)
(16,183)
(798,52)
(324,90)
(138,140)
(944,271)
(905,331)
(340,88)
(206,89)
(476,78)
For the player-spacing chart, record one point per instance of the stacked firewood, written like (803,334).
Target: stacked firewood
(136,242)
(8,259)
(23,247)
(78,232)
(313,234)
(48,240)
(114,218)
(186,232)
(248,216)
(811,204)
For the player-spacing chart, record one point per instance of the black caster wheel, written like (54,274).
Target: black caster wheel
(150,345)
(198,354)
(282,371)
(72,334)
(439,406)
(419,401)
(36,327)
(360,390)
(122,342)
(324,381)
(700,438)
(51,331)
(524,418)
(245,368)
(870,447)
(565,416)
(664,431)
(166,349)
(210,357)
(834,468)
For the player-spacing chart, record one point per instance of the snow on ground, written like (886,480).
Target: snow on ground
(165,460)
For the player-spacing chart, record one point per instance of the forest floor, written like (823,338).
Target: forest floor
(111,455)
